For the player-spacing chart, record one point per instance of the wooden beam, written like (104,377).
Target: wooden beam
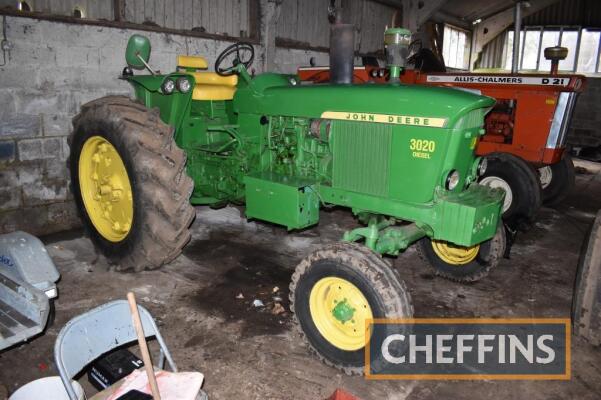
(254,19)
(416,13)
(67,19)
(489,28)
(390,3)
(119,10)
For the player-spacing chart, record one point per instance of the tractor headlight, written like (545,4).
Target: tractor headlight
(482,165)
(183,85)
(168,86)
(452,180)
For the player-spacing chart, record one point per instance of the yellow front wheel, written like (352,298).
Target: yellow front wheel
(334,293)
(459,263)
(453,254)
(340,311)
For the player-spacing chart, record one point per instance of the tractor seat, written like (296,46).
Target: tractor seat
(209,85)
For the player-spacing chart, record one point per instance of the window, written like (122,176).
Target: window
(550,39)
(589,47)
(455,47)
(530,49)
(583,45)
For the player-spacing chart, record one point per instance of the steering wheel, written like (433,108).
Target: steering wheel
(238,51)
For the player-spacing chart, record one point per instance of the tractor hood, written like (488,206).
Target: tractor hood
(360,101)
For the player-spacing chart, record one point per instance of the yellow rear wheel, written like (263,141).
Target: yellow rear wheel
(129,183)
(105,189)
(339,311)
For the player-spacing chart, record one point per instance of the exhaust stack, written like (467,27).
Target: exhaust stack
(342,52)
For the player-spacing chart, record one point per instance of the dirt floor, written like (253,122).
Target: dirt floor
(203,302)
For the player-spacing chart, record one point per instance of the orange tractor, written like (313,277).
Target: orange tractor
(525,138)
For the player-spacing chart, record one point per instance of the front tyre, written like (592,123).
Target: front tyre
(129,182)
(557,180)
(334,291)
(520,183)
(463,264)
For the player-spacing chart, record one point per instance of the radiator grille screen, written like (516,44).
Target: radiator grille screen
(361,157)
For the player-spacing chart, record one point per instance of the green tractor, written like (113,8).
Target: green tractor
(401,158)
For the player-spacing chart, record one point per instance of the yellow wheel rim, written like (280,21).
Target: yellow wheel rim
(339,310)
(453,254)
(105,189)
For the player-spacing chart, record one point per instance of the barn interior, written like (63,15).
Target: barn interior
(438,162)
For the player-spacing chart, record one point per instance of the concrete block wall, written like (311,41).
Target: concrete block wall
(585,130)
(51,71)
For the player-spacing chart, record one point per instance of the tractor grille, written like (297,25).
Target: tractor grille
(361,157)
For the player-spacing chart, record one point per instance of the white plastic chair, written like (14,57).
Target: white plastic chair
(98,331)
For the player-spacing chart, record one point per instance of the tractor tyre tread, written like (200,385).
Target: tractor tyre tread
(164,188)
(565,178)
(496,252)
(527,204)
(382,275)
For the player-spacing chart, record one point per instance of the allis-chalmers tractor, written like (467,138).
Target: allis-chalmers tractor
(525,132)
(400,157)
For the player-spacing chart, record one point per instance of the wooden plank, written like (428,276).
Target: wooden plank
(213,19)
(197,14)
(221,18)
(254,19)
(139,13)
(188,21)
(243,16)
(227,16)
(169,14)
(206,15)
(149,14)
(129,11)
(120,25)
(284,20)
(236,23)
(118,10)
(179,14)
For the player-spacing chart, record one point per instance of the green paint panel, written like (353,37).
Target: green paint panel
(469,217)
(361,157)
(285,149)
(283,200)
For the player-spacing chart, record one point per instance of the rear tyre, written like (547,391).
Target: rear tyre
(520,183)
(333,291)
(463,264)
(586,303)
(129,182)
(557,180)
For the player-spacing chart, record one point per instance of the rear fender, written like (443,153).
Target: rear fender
(173,107)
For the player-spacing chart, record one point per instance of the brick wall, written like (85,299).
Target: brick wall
(51,71)
(585,130)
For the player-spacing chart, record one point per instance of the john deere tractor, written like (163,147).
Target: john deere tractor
(401,158)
